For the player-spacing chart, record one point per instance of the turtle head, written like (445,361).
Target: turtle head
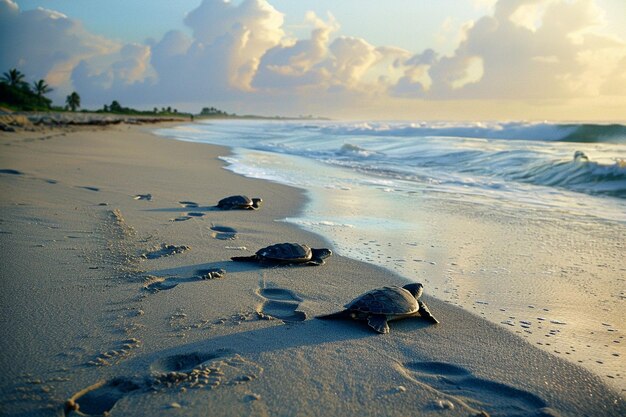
(415,289)
(256,202)
(322,253)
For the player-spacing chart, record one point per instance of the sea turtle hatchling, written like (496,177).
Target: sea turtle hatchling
(239,202)
(287,253)
(381,305)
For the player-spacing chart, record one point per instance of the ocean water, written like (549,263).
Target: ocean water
(522,223)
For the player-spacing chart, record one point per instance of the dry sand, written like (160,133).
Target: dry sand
(105,235)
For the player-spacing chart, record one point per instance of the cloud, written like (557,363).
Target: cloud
(299,63)
(219,61)
(241,34)
(46,44)
(530,49)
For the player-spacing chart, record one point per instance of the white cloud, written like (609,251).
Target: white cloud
(527,49)
(353,57)
(46,44)
(244,33)
(299,63)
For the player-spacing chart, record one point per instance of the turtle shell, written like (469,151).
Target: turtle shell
(235,201)
(386,300)
(286,252)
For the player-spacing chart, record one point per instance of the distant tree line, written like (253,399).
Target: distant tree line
(17,94)
(212,111)
(116,108)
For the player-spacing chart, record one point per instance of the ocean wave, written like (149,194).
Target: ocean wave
(355,150)
(543,131)
(454,159)
(578,174)
(492,170)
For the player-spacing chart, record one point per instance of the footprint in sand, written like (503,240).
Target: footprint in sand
(185,371)
(210,273)
(181,219)
(459,386)
(153,284)
(203,370)
(165,250)
(281,304)
(188,216)
(156,284)
(189,204)
(99,399)
(223,232)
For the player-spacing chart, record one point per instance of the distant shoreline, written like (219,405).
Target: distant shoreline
(11,121)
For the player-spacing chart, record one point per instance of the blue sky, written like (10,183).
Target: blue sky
(357,58)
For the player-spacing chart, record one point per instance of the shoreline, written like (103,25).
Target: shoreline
(164,314)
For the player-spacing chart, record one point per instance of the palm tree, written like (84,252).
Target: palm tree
(14,78)
(41,88)
(73,101)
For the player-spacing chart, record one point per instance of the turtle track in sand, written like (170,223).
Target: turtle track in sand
(458,387)
(281,304)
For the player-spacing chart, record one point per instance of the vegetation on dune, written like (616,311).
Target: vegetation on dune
(18,94)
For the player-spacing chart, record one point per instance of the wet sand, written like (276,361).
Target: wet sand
(109,238)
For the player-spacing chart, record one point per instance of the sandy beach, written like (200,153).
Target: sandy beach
(107,235)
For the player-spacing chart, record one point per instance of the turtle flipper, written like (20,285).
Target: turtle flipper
(341,315)
(252,258)
(425,312)
(378,322)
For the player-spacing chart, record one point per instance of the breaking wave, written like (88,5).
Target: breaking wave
(583,133)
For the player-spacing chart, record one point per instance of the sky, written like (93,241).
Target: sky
(357,59)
